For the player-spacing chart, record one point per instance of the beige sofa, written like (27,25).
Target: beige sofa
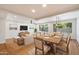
(23,34)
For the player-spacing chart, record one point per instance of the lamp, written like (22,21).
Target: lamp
(31,22)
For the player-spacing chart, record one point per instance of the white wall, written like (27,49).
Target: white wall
(64,16)
(2,30)
(50,27)
(77,29)
(7,18)
(17,20)
(2,25)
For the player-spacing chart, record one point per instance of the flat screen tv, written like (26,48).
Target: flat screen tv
(23,27)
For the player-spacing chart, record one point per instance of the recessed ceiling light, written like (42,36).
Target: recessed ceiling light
(33,11)
(14,16)
(44,5)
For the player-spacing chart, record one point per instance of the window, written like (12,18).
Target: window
(43,27)
(63,27)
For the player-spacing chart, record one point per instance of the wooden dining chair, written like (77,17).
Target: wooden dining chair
(40,47)
(51,34)
(42,34)
(38,34)
(65,36)
(63,46)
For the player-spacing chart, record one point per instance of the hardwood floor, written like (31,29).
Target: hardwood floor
(26,50)
(73,49)
(30,49)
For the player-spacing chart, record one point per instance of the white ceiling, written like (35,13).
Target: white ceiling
(50,10)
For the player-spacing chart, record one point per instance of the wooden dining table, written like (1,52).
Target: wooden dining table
(53,40)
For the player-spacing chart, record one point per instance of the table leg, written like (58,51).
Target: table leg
(54,48)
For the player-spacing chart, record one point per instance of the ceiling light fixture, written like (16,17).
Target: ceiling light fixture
(33,11)
(14,16)
(44,5)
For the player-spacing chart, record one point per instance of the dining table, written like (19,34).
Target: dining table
(53,40)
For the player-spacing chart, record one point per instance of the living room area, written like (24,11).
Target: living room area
(39,29)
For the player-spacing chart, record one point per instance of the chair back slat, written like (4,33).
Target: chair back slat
(68,40)
(38,43)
